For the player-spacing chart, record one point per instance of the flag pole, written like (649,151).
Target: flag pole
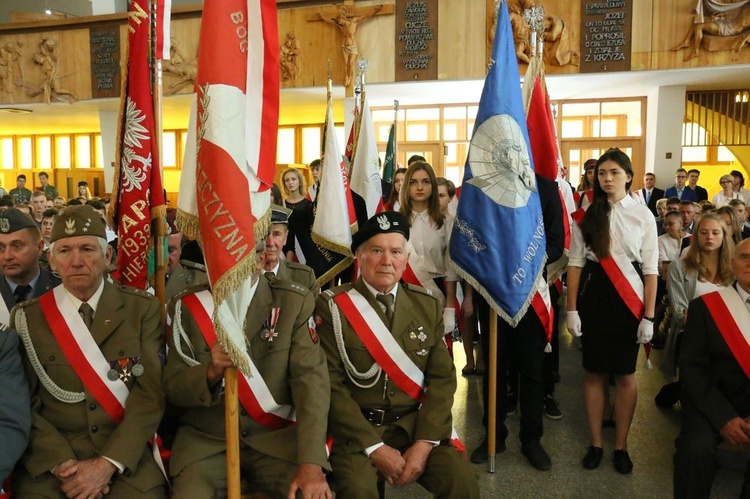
(232,423)
(158,224)
(492,402)
(359,92)
(395,136)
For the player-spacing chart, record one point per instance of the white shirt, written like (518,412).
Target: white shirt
(432,243)
(632,225)
(720,199)
(743,295)
(669,249)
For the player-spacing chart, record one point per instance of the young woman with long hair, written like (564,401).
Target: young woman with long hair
(393,203)
(430,232)
(615,237)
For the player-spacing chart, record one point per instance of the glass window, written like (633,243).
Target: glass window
(169,149)
(6,153)
(697,154)
(454,113)
(285,146)
(25,153)
(44,152)
(627,115)
(724,154)
(341,137)
(98,153)
(83,151)
(608,128)
(450,131)
(573,109)
(572,128)
(383,132)
(416,133)
(423,114)
(62,151)
(311,144)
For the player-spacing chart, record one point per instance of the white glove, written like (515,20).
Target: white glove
(645,331)
(449,320)
(574,323)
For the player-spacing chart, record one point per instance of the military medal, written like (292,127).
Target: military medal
(137,369)
(112,375)
(422,352)
(125,374)
(270,333)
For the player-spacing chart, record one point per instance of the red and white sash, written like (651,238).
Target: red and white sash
(82,353)
(381,344)
(733,321)
(254,394)
(624,278)
(542,305)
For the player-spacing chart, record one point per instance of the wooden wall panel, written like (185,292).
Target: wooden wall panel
(461,39)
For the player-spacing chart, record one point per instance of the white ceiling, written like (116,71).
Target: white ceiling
(307,105)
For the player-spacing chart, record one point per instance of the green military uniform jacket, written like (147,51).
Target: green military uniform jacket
(301,274)
(50,191)
(185,275)
(292,365)
(20,196)
(127,327)
(414,308)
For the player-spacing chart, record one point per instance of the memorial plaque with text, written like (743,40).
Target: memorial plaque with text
(105,61)
(416,40)
(606,35)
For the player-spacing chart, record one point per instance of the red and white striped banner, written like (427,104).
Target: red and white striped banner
(163,28)
(225,184)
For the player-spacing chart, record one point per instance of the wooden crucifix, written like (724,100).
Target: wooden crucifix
(346,18)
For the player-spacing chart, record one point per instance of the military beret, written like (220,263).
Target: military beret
(13,219)
(590,164)
(83,183)
(171,216)
(280,214)
(382,223)
(81,220)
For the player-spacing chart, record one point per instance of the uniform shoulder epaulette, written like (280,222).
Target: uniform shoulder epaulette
(330,293)
(298,266)
(185,292)
(26,303)
(420,289)
(193,265)
(288,285)
(135,291)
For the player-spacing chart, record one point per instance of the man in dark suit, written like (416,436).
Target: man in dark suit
(715,372)
(90,435)
(680,189)
(394,424)
(701,194)
(525,344)
(650,194)
(15,419)
(21,245)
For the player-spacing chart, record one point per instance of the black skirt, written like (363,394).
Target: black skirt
(609,329)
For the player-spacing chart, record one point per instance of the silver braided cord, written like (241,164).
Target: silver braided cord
(68,397)
(375,370)
(179,334)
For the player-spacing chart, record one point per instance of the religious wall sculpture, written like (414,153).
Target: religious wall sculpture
(50,87)
(179,66)
(718,25)
(290,51)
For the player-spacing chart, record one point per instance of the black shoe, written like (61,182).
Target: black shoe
(479,455)
(552,408)
(537,456)
(623,464)
(593,458)
(512,403)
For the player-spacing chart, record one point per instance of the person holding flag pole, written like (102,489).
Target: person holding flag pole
(498,243)
(228,172)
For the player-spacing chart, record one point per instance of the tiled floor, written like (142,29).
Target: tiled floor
(651,443)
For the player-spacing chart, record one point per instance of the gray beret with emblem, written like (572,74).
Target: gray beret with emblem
(382,223)
(80,220)
(12,220)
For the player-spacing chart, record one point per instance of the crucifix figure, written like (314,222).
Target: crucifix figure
(347,21)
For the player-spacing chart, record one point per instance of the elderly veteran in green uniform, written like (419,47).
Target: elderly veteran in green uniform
(92,361)
(181,274)
(284,404)
(21,246)
(275,241)
(392,380)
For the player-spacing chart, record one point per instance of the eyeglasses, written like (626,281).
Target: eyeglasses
(726,182)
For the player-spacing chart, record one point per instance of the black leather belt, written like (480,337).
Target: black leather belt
(380,417)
